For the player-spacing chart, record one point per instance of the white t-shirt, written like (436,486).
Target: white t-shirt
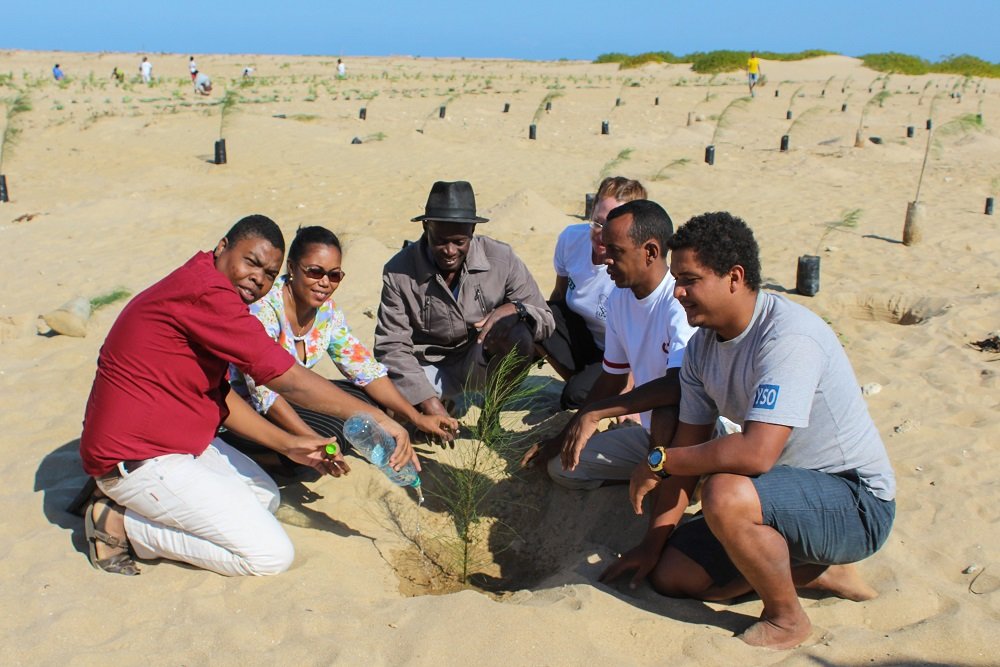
(787,367)
(341,69)
(192,66)
(645,336)
(589,284)
(202,82)
(146,68)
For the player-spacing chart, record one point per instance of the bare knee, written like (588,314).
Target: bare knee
(726,497)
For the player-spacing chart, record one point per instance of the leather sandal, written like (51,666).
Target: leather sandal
(119,563)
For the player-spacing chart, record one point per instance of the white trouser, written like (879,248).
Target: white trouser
(215,511)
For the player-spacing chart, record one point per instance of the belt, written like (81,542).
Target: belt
(130,467)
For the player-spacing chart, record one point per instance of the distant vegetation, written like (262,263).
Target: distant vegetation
(900,63)
(711,62)
(714,62)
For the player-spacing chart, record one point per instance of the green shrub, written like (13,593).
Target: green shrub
(900,63)
(967,65)
(896,63)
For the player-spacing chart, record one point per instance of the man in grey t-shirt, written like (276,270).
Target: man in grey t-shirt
(805,489)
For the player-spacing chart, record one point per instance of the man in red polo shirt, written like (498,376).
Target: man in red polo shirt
(174,489)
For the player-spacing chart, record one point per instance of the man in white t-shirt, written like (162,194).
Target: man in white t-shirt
(579,298)
(646,334)
(146,70)
(802,492)
(341,69)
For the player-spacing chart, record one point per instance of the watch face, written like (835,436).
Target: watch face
(655,458)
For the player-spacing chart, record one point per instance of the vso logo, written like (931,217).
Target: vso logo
(766,396)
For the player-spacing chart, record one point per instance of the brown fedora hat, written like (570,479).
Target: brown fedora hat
(451,202)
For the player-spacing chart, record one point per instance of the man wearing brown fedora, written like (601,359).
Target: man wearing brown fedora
(453,302)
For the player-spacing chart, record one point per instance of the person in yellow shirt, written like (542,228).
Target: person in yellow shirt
(753,72)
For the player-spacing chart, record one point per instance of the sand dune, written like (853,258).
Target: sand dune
(120,189)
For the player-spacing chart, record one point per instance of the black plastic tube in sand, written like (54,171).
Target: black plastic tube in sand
(605,127)
(788,115)
(363,114)
(807,275)
(220,151)
(909,131)
(656,102)
(929,124)
(3,188)
(442,111)
(588,204)
(548,106)
(506,107)
(618,101)
(784,143)
(987,211)
(710,155)
(532,131)
(843,107)
(775,93)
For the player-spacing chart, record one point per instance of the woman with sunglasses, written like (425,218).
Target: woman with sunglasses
(300,314)
(578,299)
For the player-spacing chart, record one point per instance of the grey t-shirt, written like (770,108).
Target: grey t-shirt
(788,368)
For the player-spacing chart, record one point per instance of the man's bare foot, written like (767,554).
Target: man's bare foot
(843,581)
(778,634)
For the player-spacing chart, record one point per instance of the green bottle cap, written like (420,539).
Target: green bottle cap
(332,449)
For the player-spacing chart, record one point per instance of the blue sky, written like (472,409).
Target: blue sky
(525,29)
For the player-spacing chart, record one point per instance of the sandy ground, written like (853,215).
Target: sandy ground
(113,186)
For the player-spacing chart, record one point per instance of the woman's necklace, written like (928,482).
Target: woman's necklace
(290,308)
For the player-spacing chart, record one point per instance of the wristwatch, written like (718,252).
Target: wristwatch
(522,312)
(656,459)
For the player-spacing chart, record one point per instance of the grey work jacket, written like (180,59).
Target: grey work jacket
(420,321)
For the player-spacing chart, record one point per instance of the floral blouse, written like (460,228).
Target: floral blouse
(329,334)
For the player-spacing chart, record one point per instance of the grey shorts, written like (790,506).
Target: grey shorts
(826,520)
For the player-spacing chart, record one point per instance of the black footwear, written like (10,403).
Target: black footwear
(119,563)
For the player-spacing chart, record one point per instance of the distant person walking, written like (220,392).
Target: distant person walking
(341,69)
(753,72)
(57,73)
(118,75)
(146,70)
(192,67)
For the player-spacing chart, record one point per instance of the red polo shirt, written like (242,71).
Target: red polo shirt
(161,374)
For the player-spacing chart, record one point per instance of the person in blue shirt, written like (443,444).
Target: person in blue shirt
(57,73)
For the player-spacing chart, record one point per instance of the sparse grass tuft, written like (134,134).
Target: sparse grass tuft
(661,175)
(725,118)
(540,111)
(15,107)
(848,220)
(612,165)
(109,298)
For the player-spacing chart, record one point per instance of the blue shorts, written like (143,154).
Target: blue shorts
(753,78)
(826,520)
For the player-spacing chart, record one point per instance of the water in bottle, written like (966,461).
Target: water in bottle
(375,444)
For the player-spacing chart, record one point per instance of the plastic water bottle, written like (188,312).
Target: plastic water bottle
(376,445)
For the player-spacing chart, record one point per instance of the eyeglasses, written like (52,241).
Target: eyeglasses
(316,273)
(595,225)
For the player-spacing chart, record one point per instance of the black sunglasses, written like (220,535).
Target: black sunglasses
(316,273)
